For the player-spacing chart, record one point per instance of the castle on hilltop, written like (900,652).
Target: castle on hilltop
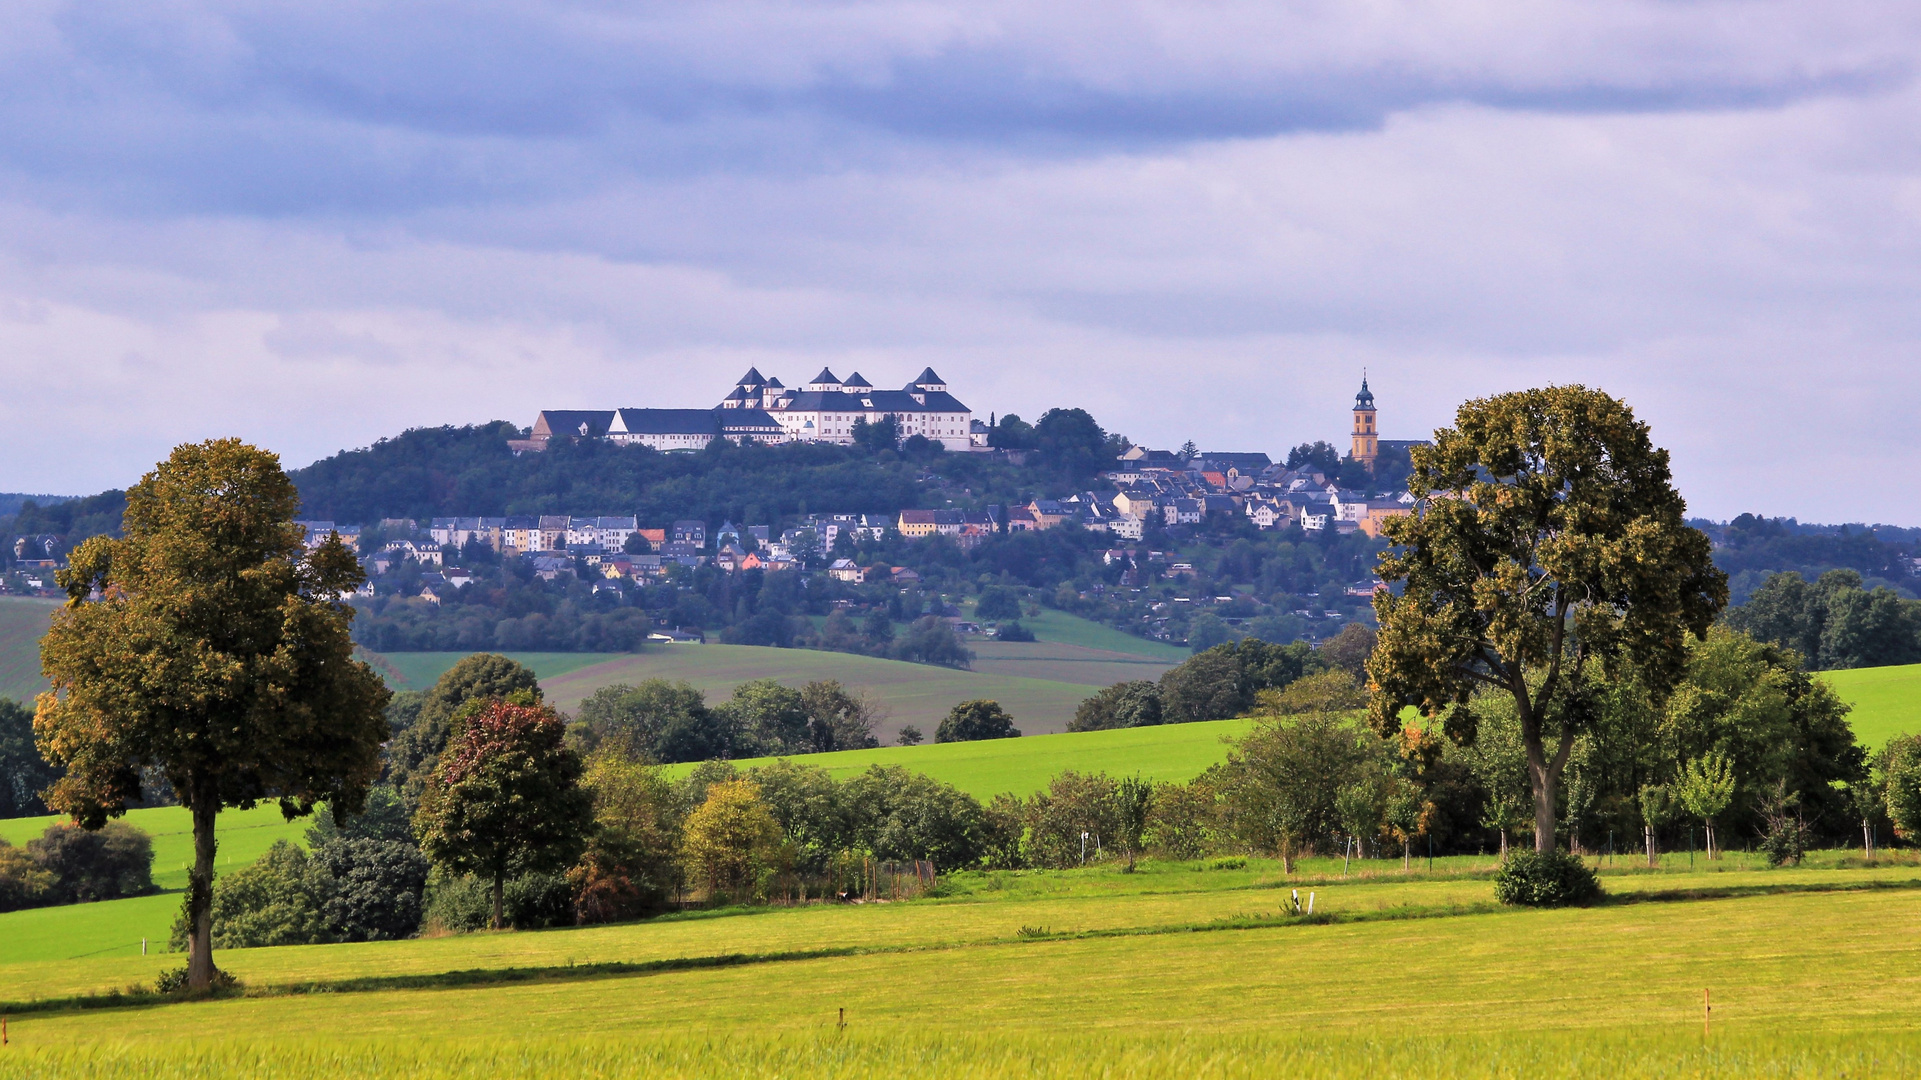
(763,410)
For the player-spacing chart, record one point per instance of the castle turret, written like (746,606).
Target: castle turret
(1366,434)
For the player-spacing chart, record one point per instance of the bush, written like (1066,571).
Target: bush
(1545,879)
(972,721)
(23,882)
(376,888)
(1012,630)
(528,902)
(108,864)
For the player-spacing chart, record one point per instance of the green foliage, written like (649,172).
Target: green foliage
(1223,681)
(276,901)
(731,839)
(371,889)
(1122,705)
(1833,622)
(505,797)
(929,640)
(1785,841)
(88,865)
(998,603)
(909,736)
(460,904)
(1550,554)
(23,772)
(1551,878)
(479,677)
(219,655)
(972,721)
(1012,630)
(1707,786)
(24,883)
(1900,780)
(1281,784)
(903,815)
(632,863)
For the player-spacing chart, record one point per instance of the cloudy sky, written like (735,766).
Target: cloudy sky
(315,224)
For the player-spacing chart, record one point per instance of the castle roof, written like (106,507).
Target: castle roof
(854,381)
(927,376)
(825,376)
(1364,399)
(752,378)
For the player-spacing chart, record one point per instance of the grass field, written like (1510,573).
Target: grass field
(115,927)
(1886,700)
(420,670)
(22,623)
(1171,752)
(917,694)
(1060,628)
(1177,970)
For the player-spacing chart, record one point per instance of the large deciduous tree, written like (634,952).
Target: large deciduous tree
(1549,553)
(505,796)
(217,652)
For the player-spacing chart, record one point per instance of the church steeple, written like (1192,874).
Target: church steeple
(1366,434)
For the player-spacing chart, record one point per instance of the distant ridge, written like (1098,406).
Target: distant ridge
(10,501)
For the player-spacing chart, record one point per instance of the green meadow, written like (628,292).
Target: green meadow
(1886,700)
(1172,753)
(1176,970)
(23,621)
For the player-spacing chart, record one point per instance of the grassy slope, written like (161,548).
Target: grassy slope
(22,622)
(916,694)
(114,928)
(1173,752)
(962,967)
(1065,629)
(1887,701)
(420,670)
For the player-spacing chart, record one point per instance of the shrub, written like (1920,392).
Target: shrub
(529,902)
(108,864)
(1013,631)
(971,721)
(376,888)
(276,901)
(1545,879)
(23,883)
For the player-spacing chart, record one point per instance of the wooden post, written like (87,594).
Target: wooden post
(842,1024)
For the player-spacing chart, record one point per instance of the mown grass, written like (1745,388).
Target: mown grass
(1170,752)
(1834,962)
(114,928)
(1886,700)
(833,1054)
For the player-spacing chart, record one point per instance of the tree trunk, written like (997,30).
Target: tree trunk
(1714,850)
(1649,833)
(1503,845)
(200,895)
(500,880)
(1867,841)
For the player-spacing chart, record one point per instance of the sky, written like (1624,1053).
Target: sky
(316,225)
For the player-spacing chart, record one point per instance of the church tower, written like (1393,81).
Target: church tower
(1366,435)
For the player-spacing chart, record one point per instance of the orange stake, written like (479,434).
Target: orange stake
(1707,1011)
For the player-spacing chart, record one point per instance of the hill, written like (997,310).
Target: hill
(1886,700)
(1172,753)
(917,694)
(22,623)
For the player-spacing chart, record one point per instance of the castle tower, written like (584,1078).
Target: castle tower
(1366,435)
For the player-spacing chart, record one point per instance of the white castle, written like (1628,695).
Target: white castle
(763,410)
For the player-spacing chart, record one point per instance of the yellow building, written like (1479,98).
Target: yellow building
(1367,442)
